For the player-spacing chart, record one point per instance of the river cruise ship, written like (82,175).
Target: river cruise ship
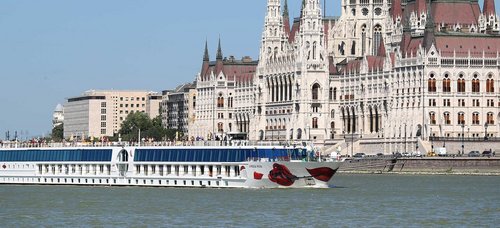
(168,166)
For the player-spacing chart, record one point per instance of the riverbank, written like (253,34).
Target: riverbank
(481,166)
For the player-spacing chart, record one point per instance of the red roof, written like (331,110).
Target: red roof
(461,45)
(464,13)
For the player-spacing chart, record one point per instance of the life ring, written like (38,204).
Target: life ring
(4,166)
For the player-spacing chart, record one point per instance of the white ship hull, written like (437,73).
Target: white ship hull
(117,172)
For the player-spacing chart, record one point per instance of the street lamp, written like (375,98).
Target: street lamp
(139,136)
(485,131)
(463,137)
(352,142)
(431,138)
(343,133)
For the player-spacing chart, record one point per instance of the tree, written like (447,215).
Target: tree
(58,133)
(149,128)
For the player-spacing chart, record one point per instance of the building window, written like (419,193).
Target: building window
(103,104)
(489,119)
(461,84)
(431,84)
(220,101)
(103,131)
(103,111)
(432,117)
(220,127)
(461,118)
(315,123)
(475,102)
(377,38)
(447,119)
(461,102)
(490,85)
(432,102)
(103,118)
(447,102)
(315,91)
(475,118)
(446,84)
(476,85)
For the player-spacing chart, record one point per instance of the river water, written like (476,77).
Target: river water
(357,201)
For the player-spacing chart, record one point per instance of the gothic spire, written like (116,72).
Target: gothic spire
(489,7)
(219,51)
(285,10)
(206,57)
(429,38)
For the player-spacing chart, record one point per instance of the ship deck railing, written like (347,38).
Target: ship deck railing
(229,143)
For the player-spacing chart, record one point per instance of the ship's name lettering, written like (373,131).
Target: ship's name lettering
(255,166)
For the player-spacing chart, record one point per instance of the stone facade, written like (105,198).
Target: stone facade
(383,77)
(101,113)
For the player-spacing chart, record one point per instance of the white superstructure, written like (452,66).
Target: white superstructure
(219,167)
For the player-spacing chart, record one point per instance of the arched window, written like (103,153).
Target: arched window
(461,118)
(490,84)
(314,50)
(447,119)
(363,39)
(446,84)
(431,84)
(332,114)
(330,95)
(489,118)
(220,127)
(220,101)
(315,123)
(335,93)
(432,117)
(315,91)
(476,85)
(229,102)
(475,118)
(461,84)
(377,38)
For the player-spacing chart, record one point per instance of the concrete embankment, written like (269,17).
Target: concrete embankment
(426,165)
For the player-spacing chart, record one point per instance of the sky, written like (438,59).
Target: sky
(55,49)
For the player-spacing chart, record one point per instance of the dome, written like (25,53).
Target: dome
(59,108)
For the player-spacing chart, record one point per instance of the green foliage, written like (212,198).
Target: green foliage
(150,128)
(58,133)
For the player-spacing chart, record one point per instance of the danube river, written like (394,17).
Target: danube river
(358,200)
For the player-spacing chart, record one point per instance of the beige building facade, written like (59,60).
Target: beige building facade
(101,113)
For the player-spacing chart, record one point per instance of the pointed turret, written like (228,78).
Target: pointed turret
(219,52)
(396,10)
(219,65)
(206,64)
(286,19)
(489,8)
(206,57)
(430,27)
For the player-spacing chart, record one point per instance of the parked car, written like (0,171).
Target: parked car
(359,155)
(487,153)
(398,155)
(474,154)
(380,154)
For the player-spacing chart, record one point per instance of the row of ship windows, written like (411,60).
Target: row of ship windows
(166,183)
(179,170)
